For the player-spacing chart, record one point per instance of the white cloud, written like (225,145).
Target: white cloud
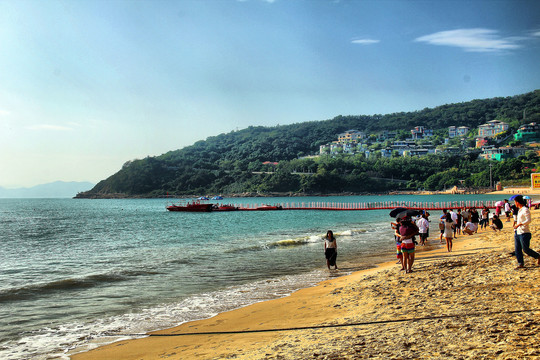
(49,127)
(474,40)
(365,41)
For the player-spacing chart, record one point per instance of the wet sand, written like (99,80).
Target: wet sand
(468,304)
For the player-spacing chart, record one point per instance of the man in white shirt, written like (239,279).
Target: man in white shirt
(507,210)
(522,238)
(469,228)
(423,228)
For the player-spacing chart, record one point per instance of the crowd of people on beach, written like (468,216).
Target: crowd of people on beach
(468,221)
(411,223)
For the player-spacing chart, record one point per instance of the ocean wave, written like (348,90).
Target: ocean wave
(292,242)
(297,241)
(61,341)
(90,281)
(351,232)
(300,241)
(179,262)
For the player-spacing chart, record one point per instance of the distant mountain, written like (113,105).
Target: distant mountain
(57,189)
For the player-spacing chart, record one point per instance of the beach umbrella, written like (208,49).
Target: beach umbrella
(407,213)
(499,203)
(396,211)
(527,197)
(513,197)
(202,198)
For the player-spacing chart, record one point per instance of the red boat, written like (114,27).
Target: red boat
(194,206)
(224,208)
(268,207)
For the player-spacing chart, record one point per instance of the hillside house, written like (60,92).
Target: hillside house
(419,132)
(416,152)
(337,148)
(351,136)
(454,131)
(492,128)
(324,149)
(386,153)
(528,133)
(502,153)
(386,135)
(403,145)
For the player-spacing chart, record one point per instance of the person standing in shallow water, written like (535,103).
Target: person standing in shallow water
(330,249)
(522,236)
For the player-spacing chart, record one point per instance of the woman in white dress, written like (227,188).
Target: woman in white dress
(448,231)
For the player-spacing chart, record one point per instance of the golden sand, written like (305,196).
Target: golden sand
(516,190)
(468,304)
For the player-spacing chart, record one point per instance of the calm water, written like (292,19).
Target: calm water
(76,273)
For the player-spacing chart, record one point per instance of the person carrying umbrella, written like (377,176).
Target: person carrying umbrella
(407,230)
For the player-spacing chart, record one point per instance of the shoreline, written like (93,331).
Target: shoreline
(376,294)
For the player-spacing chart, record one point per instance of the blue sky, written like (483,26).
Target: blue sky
(88,85)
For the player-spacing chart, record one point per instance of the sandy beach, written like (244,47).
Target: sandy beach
(468,304)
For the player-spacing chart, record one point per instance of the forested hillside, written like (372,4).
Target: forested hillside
(233,162)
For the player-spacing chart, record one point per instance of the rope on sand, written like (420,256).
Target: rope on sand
(348,324)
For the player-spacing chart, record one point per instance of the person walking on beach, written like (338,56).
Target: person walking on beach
(454,220)
(397,238)
(406,231)
(448,231)
(522,237)
(459,221)
(498,210)
(330,250)
(441,224)
(485,218)
(423,228)
(466,217)
(475,218)
(507,210)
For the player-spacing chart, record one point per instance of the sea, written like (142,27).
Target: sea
(76,274)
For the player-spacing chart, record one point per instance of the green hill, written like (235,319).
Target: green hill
(233,162)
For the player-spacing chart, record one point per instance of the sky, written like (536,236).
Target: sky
(87,85)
